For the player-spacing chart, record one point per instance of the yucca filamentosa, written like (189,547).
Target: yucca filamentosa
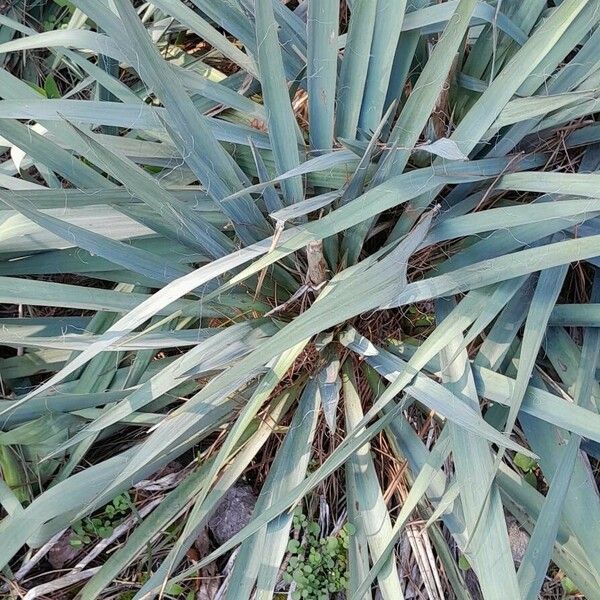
(344,252)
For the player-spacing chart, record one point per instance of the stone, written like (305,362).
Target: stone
(233,513)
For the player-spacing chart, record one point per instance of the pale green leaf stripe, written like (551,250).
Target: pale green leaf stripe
(75,260)
(430,470)
(20,236)
(489,548)
(305,207)
(371,509)
(507,241)
(217,170)
(493,386)
(533,567)
(130,116)
(280,116)
(13,183)
(73,198)
(322,26)
(577,184)
(482,115)
(511,216)
(576,315)
(58,403)
(149,190)
(15,336)
(261,555)
(152,265)
(47,293)
(211,354)
(33,362)
(355,64)
(164,225)
(386,32)
(522,109)
(55,325)
(68,38)
(46,152)
(422,100)
(8,500)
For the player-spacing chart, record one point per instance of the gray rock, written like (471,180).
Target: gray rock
(518,539)
(233,513)
(62,553)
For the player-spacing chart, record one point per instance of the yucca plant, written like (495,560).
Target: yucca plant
(344,251)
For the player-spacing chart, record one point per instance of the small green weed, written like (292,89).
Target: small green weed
(528,466)
(569,588)
(102,525)
(318,565)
